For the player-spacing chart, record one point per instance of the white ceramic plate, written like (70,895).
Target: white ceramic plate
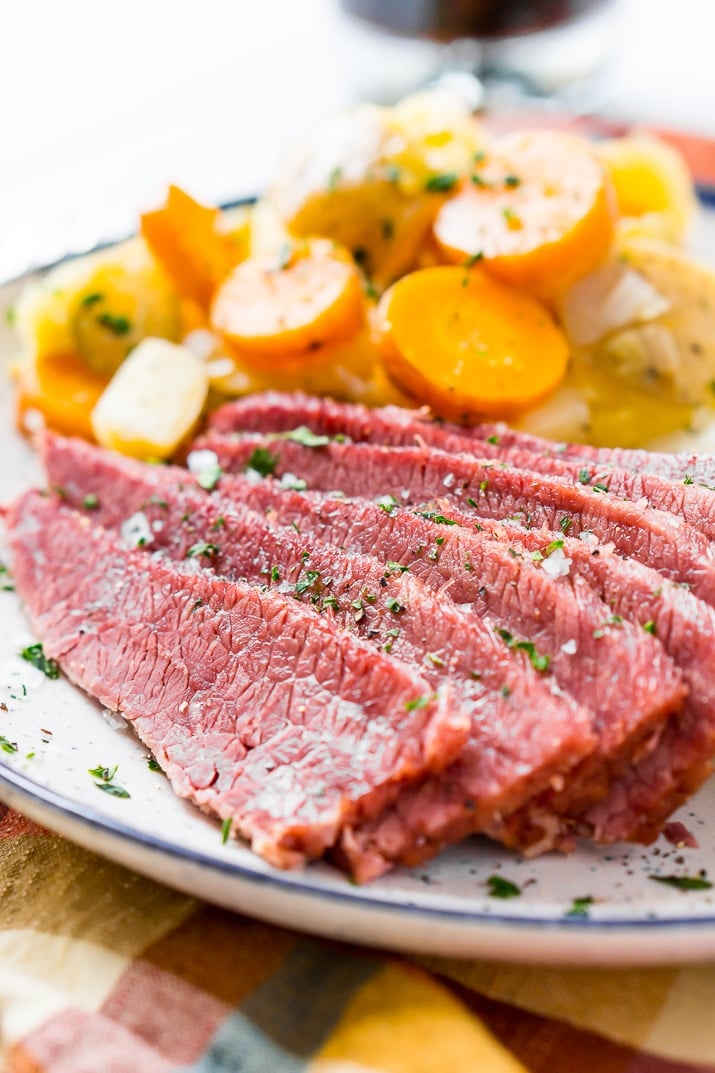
(443,908)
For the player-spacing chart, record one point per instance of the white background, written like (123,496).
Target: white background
(104,103)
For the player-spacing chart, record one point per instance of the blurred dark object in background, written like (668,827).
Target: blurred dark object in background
(448,20)
(497,54)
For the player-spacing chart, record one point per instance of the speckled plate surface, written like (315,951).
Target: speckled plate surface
(444,908)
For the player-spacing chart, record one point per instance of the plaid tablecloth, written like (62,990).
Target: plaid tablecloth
(102,971)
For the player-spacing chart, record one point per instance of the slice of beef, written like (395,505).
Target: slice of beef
(274,411)
(644,797)
(620,673)
(414,475)
(679,466)
(508,758)
(258,710)
(393,427)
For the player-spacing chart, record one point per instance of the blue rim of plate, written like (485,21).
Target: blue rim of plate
(282,881)
(93,820)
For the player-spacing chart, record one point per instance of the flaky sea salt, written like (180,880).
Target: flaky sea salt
(588,537)
(569,647)
(557,564)
(199,461)
(136,530)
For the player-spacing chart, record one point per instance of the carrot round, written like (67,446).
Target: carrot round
(64,390)
(539,209)
(467,344)
(288,307)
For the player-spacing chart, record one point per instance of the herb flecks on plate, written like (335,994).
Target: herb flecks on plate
(35,655)
(106,783)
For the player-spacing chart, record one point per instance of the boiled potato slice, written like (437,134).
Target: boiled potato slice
(675,352)
(651,177)
(153,402)
(98,308)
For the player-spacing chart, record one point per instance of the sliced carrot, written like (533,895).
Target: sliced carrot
(64,390)
(287,308)
(467,344)
(186,239)
(540,210)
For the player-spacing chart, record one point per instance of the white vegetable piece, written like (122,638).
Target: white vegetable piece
(153,401)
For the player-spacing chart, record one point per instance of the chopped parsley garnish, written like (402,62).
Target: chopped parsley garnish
(275,574)
(387,503)
(219,523)
(90,501)
(394,605)
(600,487)
(116,324)
(584,476)
(152,763)
(388,229)
(7,746)
(684,882)
(395,568)
(92,299)
(509,215)
(598,634)
(505,691)
(492,439)
(498,887)
(439,519)
(303,436)
(512,181)
(262,462)
(331,601)
(565,524)
(35,655)
(442,184)
(688,479)
(106,783)
(649,626)
(538,662)
(552,547)
(580,906)
(202,548)
(226,829)
(472,502)
(418,702)
(6,583)
(434,659)
(196,605)
(10,316)
(303,584)
(474,259)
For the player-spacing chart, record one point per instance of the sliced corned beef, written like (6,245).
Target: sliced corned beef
(414,475)
(523,735)
(274,411)
(395,427)
(258,710)
(620,672)
(685,626)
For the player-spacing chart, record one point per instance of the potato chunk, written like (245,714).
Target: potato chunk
(153,402)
